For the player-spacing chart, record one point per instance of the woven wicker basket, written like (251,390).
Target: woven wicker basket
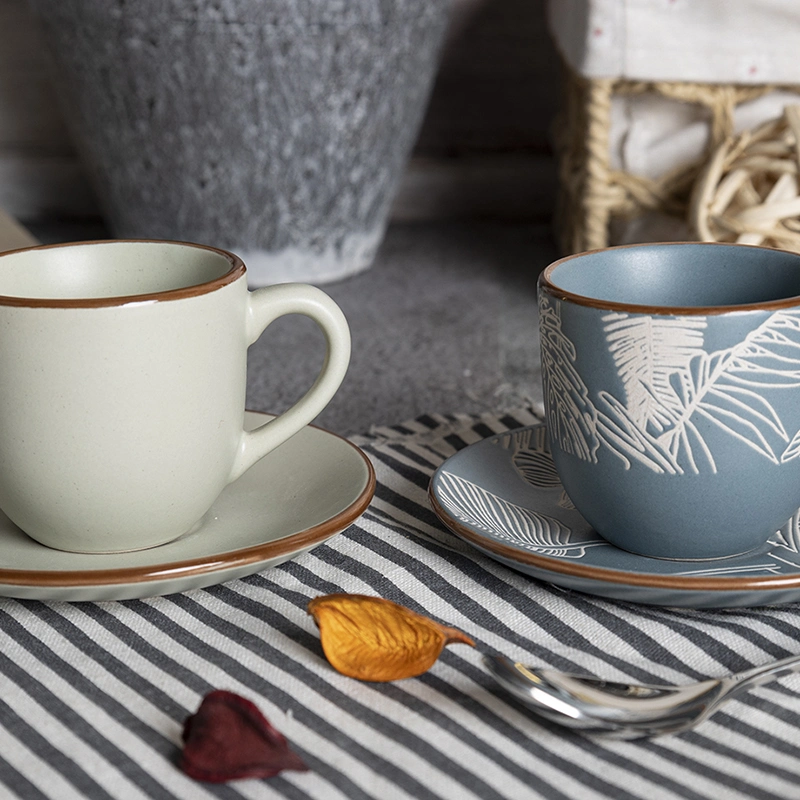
(748,190)
(592,194)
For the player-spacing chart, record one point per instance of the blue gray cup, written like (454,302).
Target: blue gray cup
(672,390)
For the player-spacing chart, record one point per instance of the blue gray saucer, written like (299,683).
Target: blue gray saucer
(503,496)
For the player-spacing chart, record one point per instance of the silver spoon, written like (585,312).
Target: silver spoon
(625,710)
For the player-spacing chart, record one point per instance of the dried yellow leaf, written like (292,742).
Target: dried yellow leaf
(373,639)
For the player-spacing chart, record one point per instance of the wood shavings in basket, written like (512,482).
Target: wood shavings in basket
(748,191)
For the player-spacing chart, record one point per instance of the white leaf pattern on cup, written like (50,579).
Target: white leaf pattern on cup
(646,351)
(572,417)
(669,385)
(792,449)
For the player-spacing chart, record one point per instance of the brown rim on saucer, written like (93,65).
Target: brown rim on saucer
(65,579)
(651,580)
(236,271)
(673,311)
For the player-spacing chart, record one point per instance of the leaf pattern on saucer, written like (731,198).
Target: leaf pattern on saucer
(731,571)
(486,511)
(788,537)
(531,457)
(565,501)
(463,501)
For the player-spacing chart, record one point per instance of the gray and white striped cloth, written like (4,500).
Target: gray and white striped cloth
(93,696)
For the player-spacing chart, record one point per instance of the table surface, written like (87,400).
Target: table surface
(94,695)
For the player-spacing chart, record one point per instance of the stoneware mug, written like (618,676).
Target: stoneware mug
(672,389)
(123,377)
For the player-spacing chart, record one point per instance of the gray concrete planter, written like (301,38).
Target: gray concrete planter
(276,128)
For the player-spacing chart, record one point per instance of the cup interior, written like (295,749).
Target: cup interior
(682,275)
(95,270)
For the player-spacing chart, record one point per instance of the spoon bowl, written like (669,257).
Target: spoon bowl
(624,710)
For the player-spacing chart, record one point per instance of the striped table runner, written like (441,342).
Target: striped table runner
(93,695)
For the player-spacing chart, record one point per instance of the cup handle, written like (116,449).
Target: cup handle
(264,307)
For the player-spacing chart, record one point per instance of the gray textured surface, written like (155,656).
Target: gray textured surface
(272,127)
(444,321)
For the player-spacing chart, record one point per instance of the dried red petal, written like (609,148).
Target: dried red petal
(228,738)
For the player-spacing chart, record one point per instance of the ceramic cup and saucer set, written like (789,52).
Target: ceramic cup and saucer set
(128,464)
(668,468)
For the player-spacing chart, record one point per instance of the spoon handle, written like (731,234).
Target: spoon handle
(764,674)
